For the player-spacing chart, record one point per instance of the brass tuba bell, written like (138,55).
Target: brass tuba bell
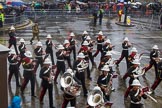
(66,80)
(95,97)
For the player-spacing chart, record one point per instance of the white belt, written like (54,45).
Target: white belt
(99,43)
(28,69)
(135,102)
(125,49)
(38,56)
(59,60)
(13,63)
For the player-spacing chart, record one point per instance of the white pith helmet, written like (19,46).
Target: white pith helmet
(134,50)
(96,88)
(155,47)
(80,55)
(39,43)
(72,34)
(100,33)
(108,41)
(66,42)
(12,28)
(47,61)
(49,36)
(28,54)
(105,68)
(70,71)
(60,47)
(85,33)
(88,38)
(22,40)
(85,43)
(126,39)
(136,83)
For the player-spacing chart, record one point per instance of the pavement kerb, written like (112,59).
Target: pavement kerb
(124,25)
(27,23)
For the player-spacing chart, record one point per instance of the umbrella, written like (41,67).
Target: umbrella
(1,6)
(138,3)
(133,3)
(37,5)
(120,4)
(15,2)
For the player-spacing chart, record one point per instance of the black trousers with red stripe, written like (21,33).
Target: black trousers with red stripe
(13,69)
(44,88)
(72,102)
(152,63)
(156,83)
(30,78)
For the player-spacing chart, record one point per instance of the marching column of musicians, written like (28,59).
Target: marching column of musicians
(73,76)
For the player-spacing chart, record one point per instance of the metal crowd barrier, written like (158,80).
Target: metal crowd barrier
(85,13)
(13,19)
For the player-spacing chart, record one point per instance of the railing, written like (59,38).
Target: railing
(62,12)
(13,19)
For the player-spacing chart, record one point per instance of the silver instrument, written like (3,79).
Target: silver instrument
(70,86)
(95,98)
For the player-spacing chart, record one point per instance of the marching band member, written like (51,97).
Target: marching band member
(49,49)
(84,50)
(22,49)
(133,55)
(104,82)
(136,94)
(28,73)
(90,48)
(60,54)
(100,40)
(13,67)
(71,89)
(158,78)
(72,44)
(68,50)
(125,45)
(38,55)
(47,79)
(80,66)
(12,40)
(106,47)
(133,72)
(154,57)
(84,36)
(107,60)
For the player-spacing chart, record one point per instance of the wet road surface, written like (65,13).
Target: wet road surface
(142,38)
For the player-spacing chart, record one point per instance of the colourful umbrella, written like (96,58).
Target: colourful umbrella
(1,6)
(120,4)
